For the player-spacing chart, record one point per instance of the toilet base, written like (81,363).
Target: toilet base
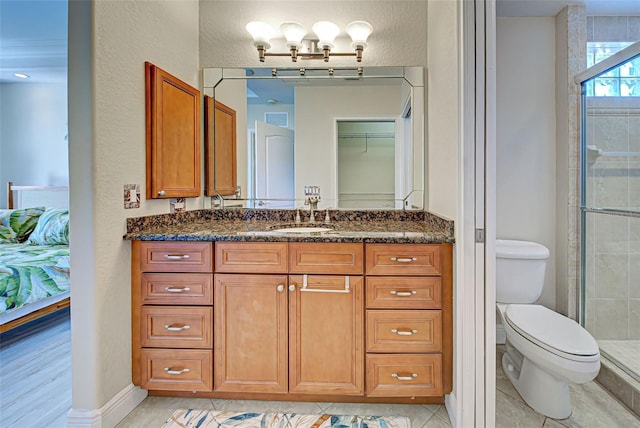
(542,392)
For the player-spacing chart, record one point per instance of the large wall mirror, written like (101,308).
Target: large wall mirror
(354,135)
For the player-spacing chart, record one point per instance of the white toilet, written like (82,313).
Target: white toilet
(546,351)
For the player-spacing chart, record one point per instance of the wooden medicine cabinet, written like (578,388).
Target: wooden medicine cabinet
(172,136)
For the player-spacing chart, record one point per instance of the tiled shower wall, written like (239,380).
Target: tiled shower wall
(612,268)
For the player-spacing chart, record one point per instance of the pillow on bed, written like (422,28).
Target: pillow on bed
(52,228)
(16,225)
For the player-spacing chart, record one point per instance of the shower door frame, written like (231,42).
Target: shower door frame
(598,69)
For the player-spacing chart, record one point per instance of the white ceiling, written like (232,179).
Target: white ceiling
(552,7)
(33,33)
(33,40)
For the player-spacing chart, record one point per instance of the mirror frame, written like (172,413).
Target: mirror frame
(212,77)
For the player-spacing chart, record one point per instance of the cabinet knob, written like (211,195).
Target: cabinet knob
(292,287)
(280,288)
(162,193)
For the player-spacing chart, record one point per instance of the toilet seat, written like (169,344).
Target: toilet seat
(556,333)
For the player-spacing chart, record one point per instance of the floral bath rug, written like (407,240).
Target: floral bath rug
(190,418)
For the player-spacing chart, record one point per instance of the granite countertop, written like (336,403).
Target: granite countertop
(259,225)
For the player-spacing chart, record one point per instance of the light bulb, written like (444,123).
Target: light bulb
(359,31)
(261,33)
(326,32)
(293,32)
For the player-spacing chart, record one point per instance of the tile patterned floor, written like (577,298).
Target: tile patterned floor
(153,411)
(625,352)
(592,407)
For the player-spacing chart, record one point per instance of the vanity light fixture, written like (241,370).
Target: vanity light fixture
(21,75)
(320,48)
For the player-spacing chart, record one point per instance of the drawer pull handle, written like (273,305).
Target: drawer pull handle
(403,293)
(404,332)
(405,378)
(177,289)
(403,259)
(171,371)
(177,328)
(305,284)
(176,256)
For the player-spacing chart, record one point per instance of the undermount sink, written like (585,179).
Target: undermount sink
(303,229)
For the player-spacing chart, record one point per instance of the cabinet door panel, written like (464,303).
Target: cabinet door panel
(176,326)
(405,375)
(176,289)
(251,257)
(173,136)
(167,256)
(220,137)
(326,345)
(404,292)
(404,331)
(250,333)
(403,259)
(323,258)
(176,370)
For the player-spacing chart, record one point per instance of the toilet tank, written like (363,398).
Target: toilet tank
(520,267)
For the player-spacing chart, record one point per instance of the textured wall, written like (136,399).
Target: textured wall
(526,139)
(125,35)
(399,35)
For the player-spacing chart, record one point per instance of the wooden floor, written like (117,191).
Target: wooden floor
(35,373)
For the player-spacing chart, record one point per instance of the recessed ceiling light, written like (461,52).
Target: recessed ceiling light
(21,75)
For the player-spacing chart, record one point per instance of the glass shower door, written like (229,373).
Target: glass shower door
(610,213)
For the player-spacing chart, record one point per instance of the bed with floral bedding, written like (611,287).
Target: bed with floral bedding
(34,264)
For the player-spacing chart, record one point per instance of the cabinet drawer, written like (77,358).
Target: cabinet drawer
(404,292)
(176,289)
(176,327)
(404,375)
(176,370)
(403,259)
(251,257)
(325,258)
(168,256)
(404,331)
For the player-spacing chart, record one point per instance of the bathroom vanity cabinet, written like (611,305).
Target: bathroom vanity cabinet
(302,321)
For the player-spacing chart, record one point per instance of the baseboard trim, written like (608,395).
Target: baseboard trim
(451,404)
(111,413)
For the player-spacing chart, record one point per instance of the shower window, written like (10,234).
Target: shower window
(622,81)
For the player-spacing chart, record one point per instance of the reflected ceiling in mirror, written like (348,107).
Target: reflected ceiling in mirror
(356,134)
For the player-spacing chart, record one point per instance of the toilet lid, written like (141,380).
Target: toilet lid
(551,330)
